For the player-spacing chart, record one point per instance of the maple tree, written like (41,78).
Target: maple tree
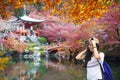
(9,39)
(111,34)
(13,44)
(57,31)
(68,34)
(50,26)
(7,6)
(76,11)
(79,37)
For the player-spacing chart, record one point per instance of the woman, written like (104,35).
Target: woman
(91,56)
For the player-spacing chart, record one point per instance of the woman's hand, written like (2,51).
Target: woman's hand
(93,43)
(81,55)
(95,51)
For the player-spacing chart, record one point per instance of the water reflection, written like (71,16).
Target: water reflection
(29,66)
(24,69)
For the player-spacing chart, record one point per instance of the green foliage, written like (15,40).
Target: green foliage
(38,6)
(18,12)
(31,46)
(42,48)
(42,40)
(117,1)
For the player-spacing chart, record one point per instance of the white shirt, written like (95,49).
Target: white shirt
(93,68)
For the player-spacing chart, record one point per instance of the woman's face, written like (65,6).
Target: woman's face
(90,46)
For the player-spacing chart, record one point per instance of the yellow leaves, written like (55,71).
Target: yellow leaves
(58,2)
(35,1)
(18,4)
(108,2)
(30,1)
(78,11)
(64,8)
(1,52)
(81,6)
(100,0)
(3,62)
(53,11)
(46,8)
(12,4)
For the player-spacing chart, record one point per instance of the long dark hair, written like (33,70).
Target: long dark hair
(89,54)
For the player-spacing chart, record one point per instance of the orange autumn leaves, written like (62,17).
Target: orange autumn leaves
(13,44)
(76,11)
(7,6)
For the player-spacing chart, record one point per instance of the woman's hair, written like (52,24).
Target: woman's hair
(89,53)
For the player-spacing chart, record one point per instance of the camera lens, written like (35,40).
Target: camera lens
(91,38)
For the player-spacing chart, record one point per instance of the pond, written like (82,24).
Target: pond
(115,66)
(39,68)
